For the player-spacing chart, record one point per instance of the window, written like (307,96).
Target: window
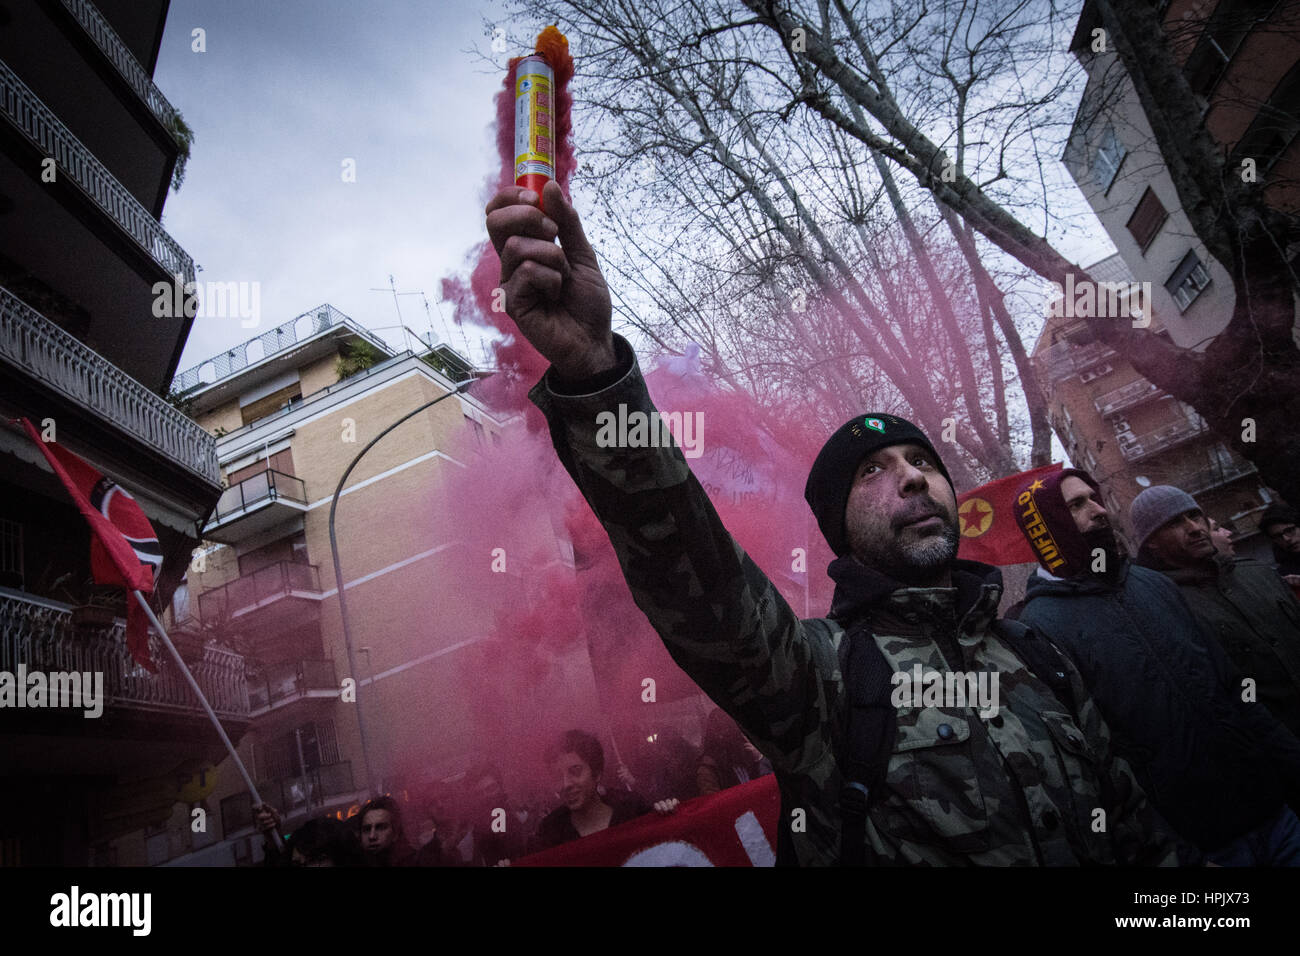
(1110,154)
(292,548)
(478,429)
(272,403)
(1147,218)
(1274,126)
(281,461)
(1187,281)
(1224,31)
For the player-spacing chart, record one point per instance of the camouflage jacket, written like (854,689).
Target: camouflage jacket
(1018,788)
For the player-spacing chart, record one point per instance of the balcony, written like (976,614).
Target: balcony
(1162,439)
(39,349)
(117,52)
(285,683)
(1066,358)
(279,595)
(261,347)
(153,719)
(256,504)
(1207,479)
(1126,396)
(43,129)
(292,795)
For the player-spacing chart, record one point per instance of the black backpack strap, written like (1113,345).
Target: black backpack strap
(1045,661)
(868,737)
(1041,657)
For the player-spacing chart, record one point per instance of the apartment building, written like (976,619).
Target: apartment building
(1242,60)
(291,409)
(88,148)
(1130,434)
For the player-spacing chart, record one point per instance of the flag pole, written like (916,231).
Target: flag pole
(203,700)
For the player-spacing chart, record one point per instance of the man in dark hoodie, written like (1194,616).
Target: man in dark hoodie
(1281,524)
(1221,770)
(1024,782)
(1240,601)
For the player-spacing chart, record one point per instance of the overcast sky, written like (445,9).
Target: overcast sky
(285,92)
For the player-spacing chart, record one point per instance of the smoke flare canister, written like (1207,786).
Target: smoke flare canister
(534,123)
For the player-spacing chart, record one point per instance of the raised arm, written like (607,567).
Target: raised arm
(721,619)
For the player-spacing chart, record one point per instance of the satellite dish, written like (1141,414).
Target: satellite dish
(1143,481)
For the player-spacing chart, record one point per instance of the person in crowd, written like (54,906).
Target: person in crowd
(1222,538)
(1241,602)
(728,758)
(382,837)
(1220,769)
(664,765)
(577,761)
(957,784)
(1280,523)
(323,841)
(499,829)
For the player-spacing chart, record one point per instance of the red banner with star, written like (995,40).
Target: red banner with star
(987,518)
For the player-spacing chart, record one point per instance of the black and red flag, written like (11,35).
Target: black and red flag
(124,548)
(987,517)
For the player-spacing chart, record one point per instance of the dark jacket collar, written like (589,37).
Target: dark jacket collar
(860,590)
(1039,586)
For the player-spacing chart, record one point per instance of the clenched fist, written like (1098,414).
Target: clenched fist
(555,293)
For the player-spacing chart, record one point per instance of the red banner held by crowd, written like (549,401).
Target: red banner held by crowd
(736,827)
(987,518)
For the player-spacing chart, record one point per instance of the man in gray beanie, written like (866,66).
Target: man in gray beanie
(1241,601)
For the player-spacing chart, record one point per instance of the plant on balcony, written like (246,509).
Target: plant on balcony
(184,137)
(356,357)
(182,404)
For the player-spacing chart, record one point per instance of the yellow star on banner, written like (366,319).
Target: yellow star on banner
(976,517)
(1037,485)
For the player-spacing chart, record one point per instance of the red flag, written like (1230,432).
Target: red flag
(987,518)
(124,548)
(734,827)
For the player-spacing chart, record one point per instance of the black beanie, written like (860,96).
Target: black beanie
(832,473)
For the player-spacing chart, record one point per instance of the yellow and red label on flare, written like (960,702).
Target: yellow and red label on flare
(535,123)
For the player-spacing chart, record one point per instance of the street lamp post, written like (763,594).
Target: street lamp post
(338,574)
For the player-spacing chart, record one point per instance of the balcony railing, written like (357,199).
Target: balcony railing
(282,337)
(1066,358)
(106,38)
(269,485)
(41,349)
(1126,396)
(39,124)
(1163,438)
(266,584)
(291,681)
(40,634)
(1207,479)
(312,789)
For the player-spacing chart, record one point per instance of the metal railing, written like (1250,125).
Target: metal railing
(39,124)
(106,38)
(1208,478)
(42,350)
(1066,358)
(1162,438)
(274,580)
(1126,396)
(269,485)
(311,789)
(289,681)
(283,336)
(40,634)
